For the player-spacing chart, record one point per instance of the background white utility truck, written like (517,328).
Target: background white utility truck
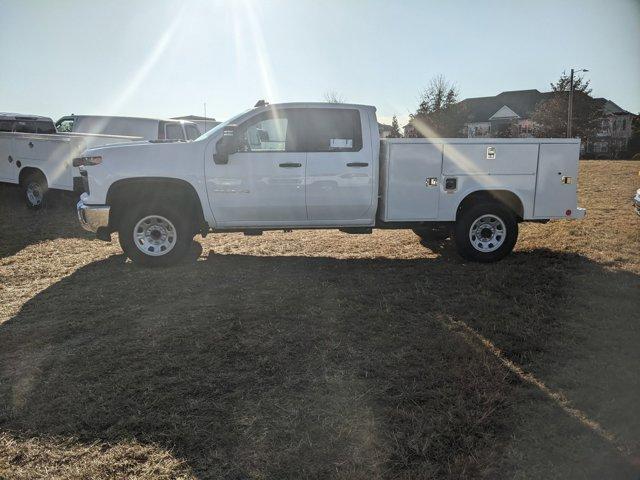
(145,128)
(315,165)
(38,158)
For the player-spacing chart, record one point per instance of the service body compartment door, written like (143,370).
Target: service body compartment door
(557,180)
(48,153)
(490,158)
(8,169)
(413,181)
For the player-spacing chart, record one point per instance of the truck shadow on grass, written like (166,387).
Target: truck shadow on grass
(22,226)
(288,367)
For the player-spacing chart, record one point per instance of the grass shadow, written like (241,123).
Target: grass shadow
(287,367)
(57,219)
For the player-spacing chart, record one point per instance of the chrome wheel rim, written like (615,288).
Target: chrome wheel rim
(155,235)
(34,194)
(487,233)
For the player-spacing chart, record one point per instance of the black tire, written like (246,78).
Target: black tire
(182,234)
(34,190)
(432,233)
(487,216)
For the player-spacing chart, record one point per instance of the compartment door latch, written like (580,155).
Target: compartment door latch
(431,182)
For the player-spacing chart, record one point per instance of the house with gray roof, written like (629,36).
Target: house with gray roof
(486,116)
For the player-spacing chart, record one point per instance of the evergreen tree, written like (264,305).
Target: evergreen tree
(395,128)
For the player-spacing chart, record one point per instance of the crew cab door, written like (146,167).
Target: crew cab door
(339,166)
(263,182)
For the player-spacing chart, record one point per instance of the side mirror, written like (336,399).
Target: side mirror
(226,145)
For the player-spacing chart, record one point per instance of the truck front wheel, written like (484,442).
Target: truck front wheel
(486,232)
(155,235)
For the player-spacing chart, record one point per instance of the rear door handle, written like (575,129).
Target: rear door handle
(290,165)
(357,164)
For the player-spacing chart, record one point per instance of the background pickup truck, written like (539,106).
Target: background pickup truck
(315,165)
(145,128)
(34,155)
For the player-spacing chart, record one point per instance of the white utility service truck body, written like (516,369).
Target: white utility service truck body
(316,165)
(40,161)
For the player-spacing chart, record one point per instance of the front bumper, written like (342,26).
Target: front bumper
(636,202)
(93,217)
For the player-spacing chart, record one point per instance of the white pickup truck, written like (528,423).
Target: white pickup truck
(38,158)
(317,165)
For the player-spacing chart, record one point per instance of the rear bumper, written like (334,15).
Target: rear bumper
(93,217)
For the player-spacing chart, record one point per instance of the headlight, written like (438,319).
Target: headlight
(77,162)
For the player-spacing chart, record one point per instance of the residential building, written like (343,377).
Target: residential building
(384,130)
(509,114)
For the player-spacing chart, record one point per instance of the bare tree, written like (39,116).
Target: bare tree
(332,96)
(439,114)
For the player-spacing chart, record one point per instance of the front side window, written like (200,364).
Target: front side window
(65,125)
(173,131)
(332,130)
(269,135)
(192,132)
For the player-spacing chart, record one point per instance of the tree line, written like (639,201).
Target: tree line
(440,113)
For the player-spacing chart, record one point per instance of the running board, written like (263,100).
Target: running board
(357,230)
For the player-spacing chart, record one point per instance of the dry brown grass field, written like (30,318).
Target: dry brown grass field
(323,355)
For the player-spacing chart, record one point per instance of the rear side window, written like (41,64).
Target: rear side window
(192,132)
(173,131)
(332,130)
(45,127)
(25,127)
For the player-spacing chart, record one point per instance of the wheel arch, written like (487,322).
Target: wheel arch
(26,171)
(122,192)
(507,198)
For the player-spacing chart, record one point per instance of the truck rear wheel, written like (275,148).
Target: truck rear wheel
(155,235)
(34,188)
(486,232)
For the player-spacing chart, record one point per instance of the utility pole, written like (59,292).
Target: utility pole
(570,107)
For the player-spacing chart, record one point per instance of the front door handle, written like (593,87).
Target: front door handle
(357,164)
(290,165)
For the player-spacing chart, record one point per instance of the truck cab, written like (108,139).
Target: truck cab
(318,165)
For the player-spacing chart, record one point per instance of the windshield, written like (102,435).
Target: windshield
(221,126)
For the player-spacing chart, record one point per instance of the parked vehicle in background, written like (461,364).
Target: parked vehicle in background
(318,165)
(204,123)
(636,201)
(34,155)
(145,128)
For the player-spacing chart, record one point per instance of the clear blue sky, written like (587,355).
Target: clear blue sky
(166,58)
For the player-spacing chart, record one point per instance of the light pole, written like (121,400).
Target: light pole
(570,108)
